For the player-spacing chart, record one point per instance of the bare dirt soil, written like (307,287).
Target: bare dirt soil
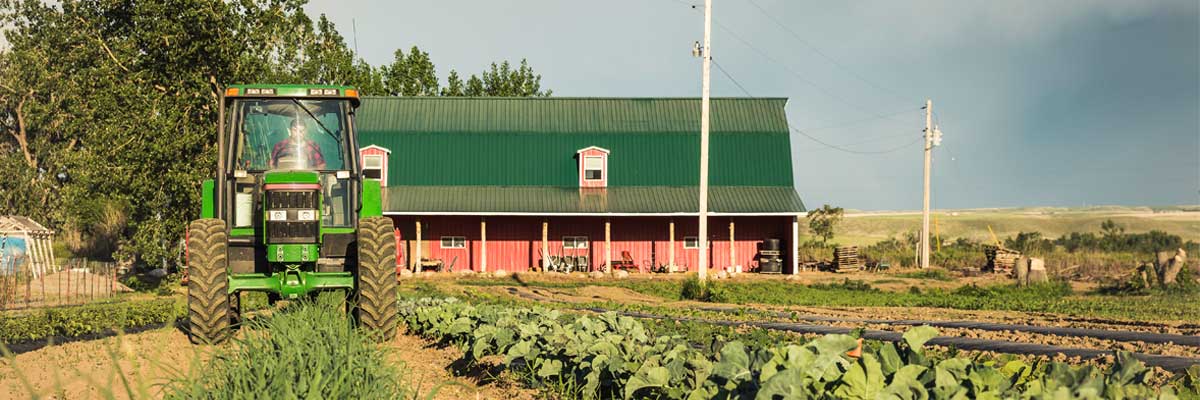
(93,369)
(428,367)
(149,360)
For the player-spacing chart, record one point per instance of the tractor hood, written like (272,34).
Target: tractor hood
(306,177)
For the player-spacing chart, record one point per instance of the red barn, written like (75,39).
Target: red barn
(516,183)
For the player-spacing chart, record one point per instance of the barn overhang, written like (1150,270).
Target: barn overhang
(613,201)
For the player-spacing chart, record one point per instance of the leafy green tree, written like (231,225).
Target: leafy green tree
(822,221)
(109,102)
(474,87)
(1111,228)
(503,80)
(411,75)
(454,85)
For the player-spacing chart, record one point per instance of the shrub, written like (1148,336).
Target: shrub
(86,319)
(694,289)
(309,350)
(846,284)
(930,274)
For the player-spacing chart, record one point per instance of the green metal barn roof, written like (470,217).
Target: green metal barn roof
(530,143)
(561,200)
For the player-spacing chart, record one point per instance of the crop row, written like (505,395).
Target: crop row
(611,356)
(1055,298)
(73,321)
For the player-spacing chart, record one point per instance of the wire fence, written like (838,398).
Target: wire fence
(78,281)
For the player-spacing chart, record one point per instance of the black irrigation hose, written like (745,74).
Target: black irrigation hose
(1170,363)
(1120,336)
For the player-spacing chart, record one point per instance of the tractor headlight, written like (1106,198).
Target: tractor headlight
(306,215)
(277,215)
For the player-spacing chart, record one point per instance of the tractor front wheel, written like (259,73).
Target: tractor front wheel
(376,302)
(208,298)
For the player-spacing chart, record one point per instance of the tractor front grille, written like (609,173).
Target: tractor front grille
(292,230)
(291,199)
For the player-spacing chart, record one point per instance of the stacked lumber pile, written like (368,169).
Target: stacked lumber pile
(1000,260)
(845,259)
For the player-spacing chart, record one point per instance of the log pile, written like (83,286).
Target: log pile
(845,259)
(1000,260)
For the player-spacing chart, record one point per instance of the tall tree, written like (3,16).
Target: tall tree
(503,80)
(411,75)
(119,99)
(822,221)
(454,85)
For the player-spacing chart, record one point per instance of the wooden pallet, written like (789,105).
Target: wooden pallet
(846,259)
(1000,260)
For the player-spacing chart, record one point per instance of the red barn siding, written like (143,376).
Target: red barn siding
(514,243)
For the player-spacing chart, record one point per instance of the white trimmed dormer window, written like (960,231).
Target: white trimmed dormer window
(375,163)
(593,167)
(373,166)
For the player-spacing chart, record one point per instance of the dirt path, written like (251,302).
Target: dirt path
(85,369)
(427,366)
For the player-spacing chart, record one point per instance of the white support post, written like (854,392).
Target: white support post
(732,248)
(483,245)
(545,245)
(607,246)
(706,54)
(925,202)
(671,249)
(416,261)
(32,253)
(795,245)
(50,243)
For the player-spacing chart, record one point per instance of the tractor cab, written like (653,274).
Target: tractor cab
(275,140)
(288,212)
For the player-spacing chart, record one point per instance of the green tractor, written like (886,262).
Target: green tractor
(289,212)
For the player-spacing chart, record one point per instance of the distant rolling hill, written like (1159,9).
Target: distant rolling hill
(864,227)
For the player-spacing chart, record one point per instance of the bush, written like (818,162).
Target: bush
(308,350)
(930,274)
(87,319)
(846,284)
(709,291)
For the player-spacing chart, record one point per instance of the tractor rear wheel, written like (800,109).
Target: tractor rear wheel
(375,279)
(208,298)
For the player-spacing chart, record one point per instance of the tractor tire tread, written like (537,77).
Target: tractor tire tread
(208,299)
(376,307)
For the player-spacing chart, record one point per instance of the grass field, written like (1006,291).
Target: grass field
(863,228)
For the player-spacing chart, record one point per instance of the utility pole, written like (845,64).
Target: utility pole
(706,53)
(925,206)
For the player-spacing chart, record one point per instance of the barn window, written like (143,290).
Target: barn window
(375,163)
(575,242)
(691,242)
(373,166)
(454,242)
(593,168)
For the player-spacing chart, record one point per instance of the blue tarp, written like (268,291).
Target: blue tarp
(12,254)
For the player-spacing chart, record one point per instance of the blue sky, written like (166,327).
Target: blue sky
(1061,103)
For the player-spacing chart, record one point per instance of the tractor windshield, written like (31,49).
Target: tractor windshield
(271,134)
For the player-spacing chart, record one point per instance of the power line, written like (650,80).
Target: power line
(852,151)
(731,79)
(858,121)
(814,49)
(786,66)
(826,144)
(762,53)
